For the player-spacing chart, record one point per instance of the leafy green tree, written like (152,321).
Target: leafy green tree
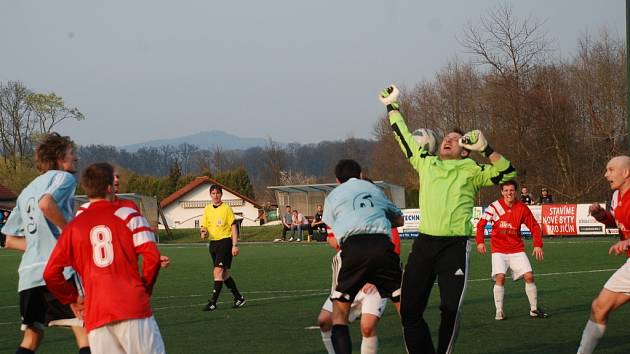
(238,180)
(51,110)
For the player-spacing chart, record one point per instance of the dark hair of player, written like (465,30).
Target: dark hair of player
(96,178)
(460,132)
(457,130)
(217,188)
(52,149)
(509,183)
(347,169)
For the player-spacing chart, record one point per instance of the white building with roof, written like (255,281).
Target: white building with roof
(184,208)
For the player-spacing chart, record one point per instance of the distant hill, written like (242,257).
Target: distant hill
(204,140)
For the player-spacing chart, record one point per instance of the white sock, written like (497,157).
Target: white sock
(532,295)
(328,342)
(498,291)
(593,332)
(369,345)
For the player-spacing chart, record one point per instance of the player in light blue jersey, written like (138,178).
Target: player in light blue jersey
(361,217)
(43,208)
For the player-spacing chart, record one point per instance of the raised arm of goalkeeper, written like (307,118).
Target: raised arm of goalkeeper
(414,147)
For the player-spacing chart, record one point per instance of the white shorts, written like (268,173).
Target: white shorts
(125,337)
(619,282)
(517,262)
(371,304)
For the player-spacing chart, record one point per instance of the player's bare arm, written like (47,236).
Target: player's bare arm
(51,211)
(619,247)
(481,248)
(165,261)
(203,233)
(15,243)
(234,231)
(332,241)
(538,253)
(368,288)
(78,307)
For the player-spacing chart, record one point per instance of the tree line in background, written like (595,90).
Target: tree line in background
(557,119)
(161,171)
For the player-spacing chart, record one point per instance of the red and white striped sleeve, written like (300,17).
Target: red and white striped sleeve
(144,242)
(489,215)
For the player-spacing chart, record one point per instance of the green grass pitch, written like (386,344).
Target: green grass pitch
(286,284)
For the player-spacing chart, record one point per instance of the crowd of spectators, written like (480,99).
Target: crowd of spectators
(294,222)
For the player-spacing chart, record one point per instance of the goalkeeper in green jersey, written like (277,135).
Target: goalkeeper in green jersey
(449,183)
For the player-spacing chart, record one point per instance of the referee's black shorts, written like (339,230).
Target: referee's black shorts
(221,252)
(368,258)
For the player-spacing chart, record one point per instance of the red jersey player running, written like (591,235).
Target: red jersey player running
(616,291)
(508,250)
(103,244)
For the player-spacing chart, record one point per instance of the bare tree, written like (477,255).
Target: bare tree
(511,46)
(17,123)
(275,160)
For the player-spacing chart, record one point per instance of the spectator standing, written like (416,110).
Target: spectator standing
(526,196)
(545,197)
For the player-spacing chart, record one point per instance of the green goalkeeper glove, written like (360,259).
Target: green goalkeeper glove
(389,97)
(475,141)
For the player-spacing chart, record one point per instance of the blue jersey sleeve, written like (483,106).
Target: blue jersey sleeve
(329,217)
(14,225)
(62,187)
(391,210)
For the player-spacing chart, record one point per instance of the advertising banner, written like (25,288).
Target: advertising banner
(412,221)
(554,220)
(559,219)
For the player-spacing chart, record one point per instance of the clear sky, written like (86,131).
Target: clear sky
(292,70)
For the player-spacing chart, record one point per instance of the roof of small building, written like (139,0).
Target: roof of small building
(198,182)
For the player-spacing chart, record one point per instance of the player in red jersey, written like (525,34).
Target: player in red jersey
(616,291)
(165,261)
(103,244)
(508,249)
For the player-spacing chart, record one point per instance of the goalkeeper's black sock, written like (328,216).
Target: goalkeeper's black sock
(341,339)
(22,350)
(218,284)
(229,282)
(85,350)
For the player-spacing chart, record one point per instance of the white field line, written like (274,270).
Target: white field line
(311,292)
(266,243)
(248,300)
